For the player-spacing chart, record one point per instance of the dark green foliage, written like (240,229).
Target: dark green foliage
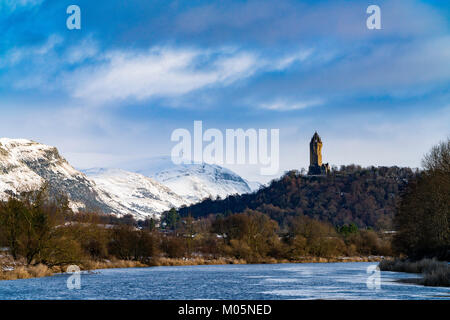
(347,229)
(170,219)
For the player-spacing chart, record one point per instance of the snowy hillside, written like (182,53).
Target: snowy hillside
(193,182)
(133,193)
(25,165)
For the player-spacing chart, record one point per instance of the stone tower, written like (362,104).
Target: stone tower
(316,167)
(315,151)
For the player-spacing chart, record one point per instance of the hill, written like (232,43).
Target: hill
(351,194)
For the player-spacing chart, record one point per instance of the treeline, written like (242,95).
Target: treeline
(39,230)
(252,234)
(351,194)
(423,216)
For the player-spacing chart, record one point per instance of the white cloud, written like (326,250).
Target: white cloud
(140,76)
(290,59)
(168,72)
(236,67)
(285,105)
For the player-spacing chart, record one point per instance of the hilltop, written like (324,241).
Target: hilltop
(351,194)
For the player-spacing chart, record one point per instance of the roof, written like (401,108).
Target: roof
(316,138)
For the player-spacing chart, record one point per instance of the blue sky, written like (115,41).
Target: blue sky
(113,92)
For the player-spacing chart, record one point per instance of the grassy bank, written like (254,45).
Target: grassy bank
(13,270)
(434,273)
(18,270)
(26,272)
(219,261)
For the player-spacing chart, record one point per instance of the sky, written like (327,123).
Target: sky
(113,92)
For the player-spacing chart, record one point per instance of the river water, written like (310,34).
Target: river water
(269,281)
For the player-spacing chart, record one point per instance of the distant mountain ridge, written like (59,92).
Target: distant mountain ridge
(134,193)
(194,182)
(25,165)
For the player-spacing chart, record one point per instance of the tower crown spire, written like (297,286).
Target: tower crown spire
(316,138)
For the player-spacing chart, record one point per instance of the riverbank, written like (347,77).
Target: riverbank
(434,273)
(17,269)
(13,270)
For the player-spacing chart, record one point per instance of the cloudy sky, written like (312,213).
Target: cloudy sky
(113,92)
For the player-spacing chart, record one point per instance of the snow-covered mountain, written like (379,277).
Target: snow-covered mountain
(25,165)
(133,193)
(159,185)
(193,182)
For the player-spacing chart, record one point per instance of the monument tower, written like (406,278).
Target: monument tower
(316,167)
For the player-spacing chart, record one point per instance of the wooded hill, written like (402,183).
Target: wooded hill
(350,194)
